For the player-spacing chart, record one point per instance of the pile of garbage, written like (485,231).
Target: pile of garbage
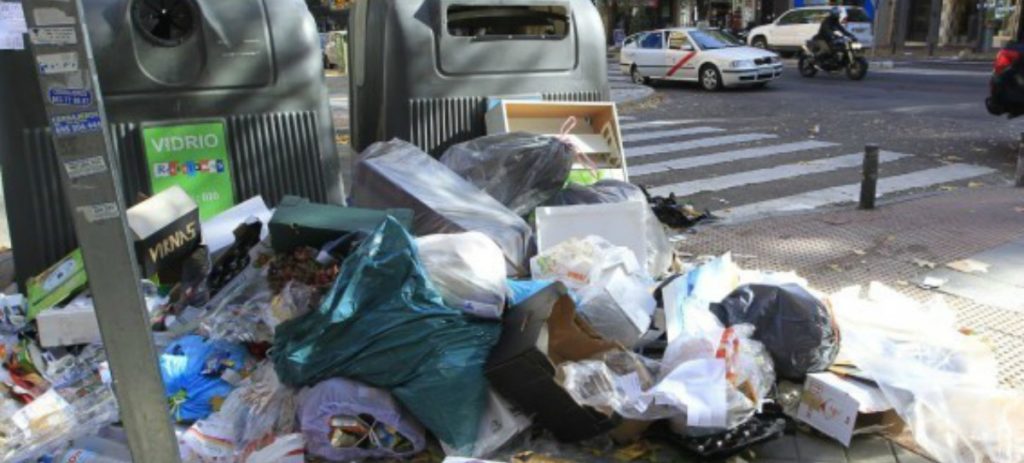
(462,303)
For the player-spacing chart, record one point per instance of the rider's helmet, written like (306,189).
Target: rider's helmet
(835,12)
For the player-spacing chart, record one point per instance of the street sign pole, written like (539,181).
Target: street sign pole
(59,42)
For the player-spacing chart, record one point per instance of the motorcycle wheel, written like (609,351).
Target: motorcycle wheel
(857,69)
(806,67)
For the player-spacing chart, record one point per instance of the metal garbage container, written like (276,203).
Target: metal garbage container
(249,70)
(422,70)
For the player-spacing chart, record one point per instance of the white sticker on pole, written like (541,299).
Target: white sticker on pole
(99,212)
(62,35)
(83,167)
(12,26)
(57,63)
(52,17)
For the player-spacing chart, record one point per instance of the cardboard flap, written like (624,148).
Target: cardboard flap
(570,338)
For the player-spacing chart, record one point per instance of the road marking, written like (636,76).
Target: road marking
(933,72)
(770,174)
(656,124)
(848,193)
(660,148)
(656,134)
(727,156)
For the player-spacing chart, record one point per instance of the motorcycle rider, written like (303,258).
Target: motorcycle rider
(831,27)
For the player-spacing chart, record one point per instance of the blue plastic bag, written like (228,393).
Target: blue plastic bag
(384,324)
(192,370)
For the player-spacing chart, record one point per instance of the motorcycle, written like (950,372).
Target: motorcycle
(845,53)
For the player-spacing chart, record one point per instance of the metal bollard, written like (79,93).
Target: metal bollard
(869,182)
(1019,179)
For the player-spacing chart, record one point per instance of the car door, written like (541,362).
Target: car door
(811,24)
(650,58)
(679,57)
(784,34)
(627,56)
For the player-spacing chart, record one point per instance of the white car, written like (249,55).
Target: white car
(708,56)
(795,27)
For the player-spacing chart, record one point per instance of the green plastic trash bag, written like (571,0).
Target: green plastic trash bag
(384,324)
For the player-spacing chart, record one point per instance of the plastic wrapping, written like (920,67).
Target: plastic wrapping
(78,403)
(196,372)
(333,398)
(795,326)
(289,448)
(520,170)
(615,297)
(237,313)
(384,324)
(659,249)
(499,425)
(259,408)
(398,174)
(468,270)
(942,382)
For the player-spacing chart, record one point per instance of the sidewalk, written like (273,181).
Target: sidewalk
(897,244)
(943,55)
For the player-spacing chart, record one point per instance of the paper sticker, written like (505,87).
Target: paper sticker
(52,17)
(57,63)
(69,96)
(83,167)
(12,26)
(99,212)
(71,124)
(64,35)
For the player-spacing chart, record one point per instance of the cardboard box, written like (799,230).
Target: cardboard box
(167,231)
(540,333)
(66,326)
(842,408)
(595,132)
(57,283)
(298,222)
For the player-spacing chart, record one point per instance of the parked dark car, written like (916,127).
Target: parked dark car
(1007,85)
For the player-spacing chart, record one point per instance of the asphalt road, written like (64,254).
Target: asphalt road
(795,145)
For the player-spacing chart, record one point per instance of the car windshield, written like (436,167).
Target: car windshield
(710,39)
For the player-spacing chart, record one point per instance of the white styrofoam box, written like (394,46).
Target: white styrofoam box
(622,224)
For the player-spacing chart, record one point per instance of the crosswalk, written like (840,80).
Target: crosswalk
(745,174)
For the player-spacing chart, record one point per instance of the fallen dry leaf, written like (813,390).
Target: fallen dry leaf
(924,263)
(969,266)
(975,184)
(1019,209)
(953,158)
(947,187)
(859,252)
(633,452)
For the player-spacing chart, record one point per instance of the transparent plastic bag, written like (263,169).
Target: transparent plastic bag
(614,292)
(397,174)
(260,407)
(289,448)
(942,382)
(520,170)
(238,313)
(78,403)
(468,270)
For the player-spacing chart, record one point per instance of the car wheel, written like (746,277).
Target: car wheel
(760,42)
(806,67)
(710,78)
(638,78)
(857,69)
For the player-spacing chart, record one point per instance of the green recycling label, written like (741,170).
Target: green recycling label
(194,157)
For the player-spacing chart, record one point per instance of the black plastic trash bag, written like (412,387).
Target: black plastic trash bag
(602,192)
(796,328)
(520,170)
(384,324)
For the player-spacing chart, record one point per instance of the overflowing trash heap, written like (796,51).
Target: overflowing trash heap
(466,306)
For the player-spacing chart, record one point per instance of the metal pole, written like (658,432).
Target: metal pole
(934,25)
(869,182)
(1019,181)
(59,42)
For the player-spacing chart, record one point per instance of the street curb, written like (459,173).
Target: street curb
(631,94)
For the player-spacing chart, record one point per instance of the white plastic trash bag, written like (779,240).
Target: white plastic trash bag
(468,269)
(289,448)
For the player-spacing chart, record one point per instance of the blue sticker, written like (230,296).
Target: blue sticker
(71,124)
(70,97)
